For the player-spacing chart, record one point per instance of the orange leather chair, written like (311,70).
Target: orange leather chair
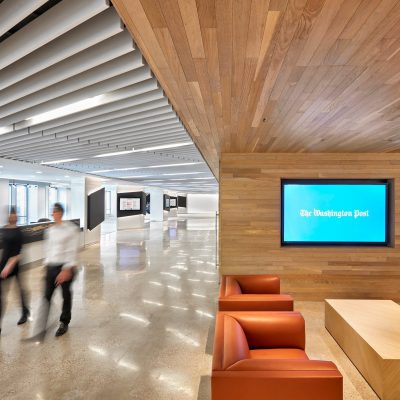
(260,355)
(253,293)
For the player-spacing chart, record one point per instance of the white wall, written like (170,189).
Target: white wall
(78,201)
(157,204)
(202,203)
(131,222)
(113,190)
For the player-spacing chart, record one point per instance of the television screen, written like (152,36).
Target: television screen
(335,212)
(172,202)
(129,204)
(96,209)
(182,201)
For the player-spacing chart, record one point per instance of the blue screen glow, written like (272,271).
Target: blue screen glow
(339,213)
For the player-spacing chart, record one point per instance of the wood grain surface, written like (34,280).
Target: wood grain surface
(250,227)
(276,75)
(369,333)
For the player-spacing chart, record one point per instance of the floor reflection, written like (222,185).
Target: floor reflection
(138,326)
(93,281)
(131,257)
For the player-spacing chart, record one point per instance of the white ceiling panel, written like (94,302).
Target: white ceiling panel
(14,11)
(93,31)
(73,85)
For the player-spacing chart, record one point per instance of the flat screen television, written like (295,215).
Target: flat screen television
(129,204)
(335,212)
(172,202)
(182,201)
(96,208)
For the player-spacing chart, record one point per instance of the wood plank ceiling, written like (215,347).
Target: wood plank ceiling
(276,75)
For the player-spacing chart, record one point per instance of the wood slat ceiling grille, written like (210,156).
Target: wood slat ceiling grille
(276,75)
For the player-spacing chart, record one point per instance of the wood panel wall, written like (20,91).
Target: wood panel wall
(250,226)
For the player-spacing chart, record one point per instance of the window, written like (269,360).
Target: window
(53,198)
(62,198)
(58,195)
(108,202)
(33,203)
(18,197)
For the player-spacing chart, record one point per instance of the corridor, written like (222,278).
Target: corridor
(144,301)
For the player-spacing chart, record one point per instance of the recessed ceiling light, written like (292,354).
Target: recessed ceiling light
(6,129)
(164,146)
(39,172)
(151,166)
(137,176)
(59,161)
(184,173)
(116,153)
(69,109)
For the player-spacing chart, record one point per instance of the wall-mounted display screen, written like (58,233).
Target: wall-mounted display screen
(335,212)
(96,209)
(129,204)
(172,202)
(182,201)
(167,202)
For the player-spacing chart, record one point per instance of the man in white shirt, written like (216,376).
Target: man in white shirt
(61,246)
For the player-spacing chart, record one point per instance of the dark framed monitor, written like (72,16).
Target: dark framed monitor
(182,201)
(96,208)
(131,203)
(167,205)
(336,212)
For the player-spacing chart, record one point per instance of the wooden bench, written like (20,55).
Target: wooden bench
(368,331)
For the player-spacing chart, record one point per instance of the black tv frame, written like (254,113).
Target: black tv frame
(389,211)
(131,195)
(93,200)
(182,201)
(165,197)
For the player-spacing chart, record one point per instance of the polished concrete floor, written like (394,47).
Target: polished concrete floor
(142,323)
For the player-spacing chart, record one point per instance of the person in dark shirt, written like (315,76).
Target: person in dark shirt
(9,265)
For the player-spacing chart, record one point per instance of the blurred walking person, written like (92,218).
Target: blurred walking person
(12,239)
(61,249)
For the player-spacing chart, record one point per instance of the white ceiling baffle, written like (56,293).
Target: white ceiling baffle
(76,94)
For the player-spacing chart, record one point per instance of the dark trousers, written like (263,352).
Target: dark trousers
(4,286)
(51,275)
